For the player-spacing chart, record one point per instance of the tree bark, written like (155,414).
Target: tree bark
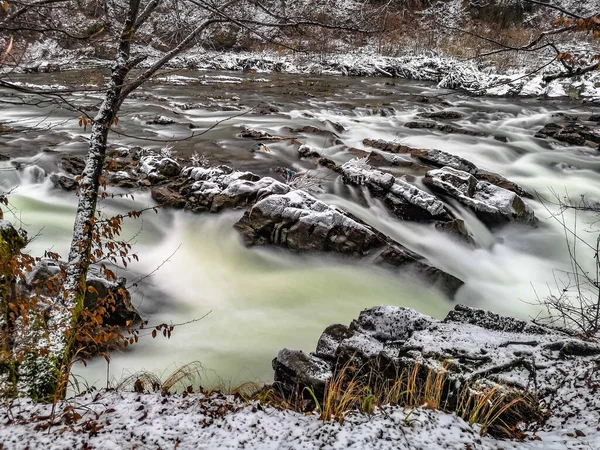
(45,373)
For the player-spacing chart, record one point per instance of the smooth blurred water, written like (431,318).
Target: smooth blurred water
(260,300)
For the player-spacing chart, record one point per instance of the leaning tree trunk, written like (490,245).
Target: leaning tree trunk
(44,371)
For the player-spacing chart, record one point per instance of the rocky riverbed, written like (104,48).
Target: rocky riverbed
(286,214)
(385,183)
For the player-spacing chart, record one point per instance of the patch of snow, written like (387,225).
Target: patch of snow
(130,420)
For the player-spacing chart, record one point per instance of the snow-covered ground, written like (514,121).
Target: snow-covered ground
(118,420)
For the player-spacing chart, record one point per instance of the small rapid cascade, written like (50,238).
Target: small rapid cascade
(259,300)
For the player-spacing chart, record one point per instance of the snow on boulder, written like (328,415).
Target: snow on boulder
(387,323)
(216,188)
(440,158)
(157,167)
(300,222)
(492,204)
(405,200)
(472,351)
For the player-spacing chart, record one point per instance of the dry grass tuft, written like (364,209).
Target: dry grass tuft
(497,408)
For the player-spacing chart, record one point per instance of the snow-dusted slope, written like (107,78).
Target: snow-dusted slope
(118,420)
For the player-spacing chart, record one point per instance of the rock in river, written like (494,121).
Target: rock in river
(493,205)
(439,158)
(572,133)
(216,188)
(300,222)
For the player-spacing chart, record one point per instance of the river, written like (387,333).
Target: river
(260,300)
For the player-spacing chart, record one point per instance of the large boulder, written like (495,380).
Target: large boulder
(492,204)
(65,182)
(471,353)
(300,222)
(296,370)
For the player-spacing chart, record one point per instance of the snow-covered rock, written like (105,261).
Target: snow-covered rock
(300,222)
(404,200)
(471,347)
(492,204)
(158,167)
(440,158)
(216,188)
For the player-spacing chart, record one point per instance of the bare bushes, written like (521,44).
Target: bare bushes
(573,302)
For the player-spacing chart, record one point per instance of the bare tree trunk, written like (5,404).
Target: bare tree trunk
(46,373)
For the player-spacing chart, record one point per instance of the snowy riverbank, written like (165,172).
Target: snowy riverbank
(565,377)
(115,420)
(447,71)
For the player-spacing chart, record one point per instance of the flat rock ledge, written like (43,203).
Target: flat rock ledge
(471,347)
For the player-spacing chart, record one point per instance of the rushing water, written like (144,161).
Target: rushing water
(261,300)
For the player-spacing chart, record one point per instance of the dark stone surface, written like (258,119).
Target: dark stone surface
(63,182)
(572,133)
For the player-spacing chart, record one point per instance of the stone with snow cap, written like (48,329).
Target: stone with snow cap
(158,167)
(215,189)
(404,200)
(300,222)
(439,158)
(571,132)
(390,323)
(492,204)
(473,348)
(331,339)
